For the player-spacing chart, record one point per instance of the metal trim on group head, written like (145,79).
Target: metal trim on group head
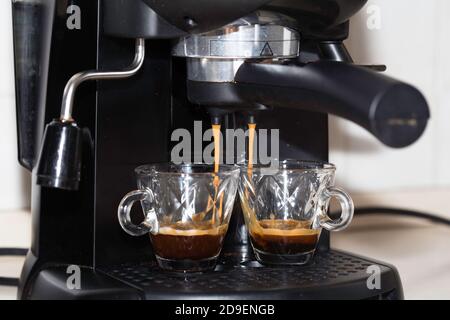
(79,78)
(261,35)
(217,55)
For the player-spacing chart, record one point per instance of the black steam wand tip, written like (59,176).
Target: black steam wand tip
(59,164)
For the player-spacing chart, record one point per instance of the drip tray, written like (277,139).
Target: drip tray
(331,275)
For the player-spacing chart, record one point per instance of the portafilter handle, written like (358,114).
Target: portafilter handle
(393,111)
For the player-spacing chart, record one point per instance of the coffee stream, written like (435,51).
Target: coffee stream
(216,135)
(251,141)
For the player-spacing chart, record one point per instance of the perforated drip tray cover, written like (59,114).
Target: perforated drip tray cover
(332,274)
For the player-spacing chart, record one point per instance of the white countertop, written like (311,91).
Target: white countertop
(418,249)
(15,232)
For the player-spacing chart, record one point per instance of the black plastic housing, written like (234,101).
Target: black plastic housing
(317,19)
(134,19)
(321,19)
(196,16)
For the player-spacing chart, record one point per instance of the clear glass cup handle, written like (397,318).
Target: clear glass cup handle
(347,207)
(150,223)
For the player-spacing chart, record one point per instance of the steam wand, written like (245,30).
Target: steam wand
(79,78)
(59,164)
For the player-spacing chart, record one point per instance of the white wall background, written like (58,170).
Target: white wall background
(412,41)
(14,182)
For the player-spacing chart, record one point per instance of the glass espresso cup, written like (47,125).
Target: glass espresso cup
(285,209)
(187,209)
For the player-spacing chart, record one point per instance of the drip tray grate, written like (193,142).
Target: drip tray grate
(325,277)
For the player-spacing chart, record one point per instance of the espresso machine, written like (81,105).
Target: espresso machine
(159,65)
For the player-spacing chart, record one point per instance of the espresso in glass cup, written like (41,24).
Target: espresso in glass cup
(187,209)
(286,207)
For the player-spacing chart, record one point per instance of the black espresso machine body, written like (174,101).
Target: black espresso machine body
(128,122)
